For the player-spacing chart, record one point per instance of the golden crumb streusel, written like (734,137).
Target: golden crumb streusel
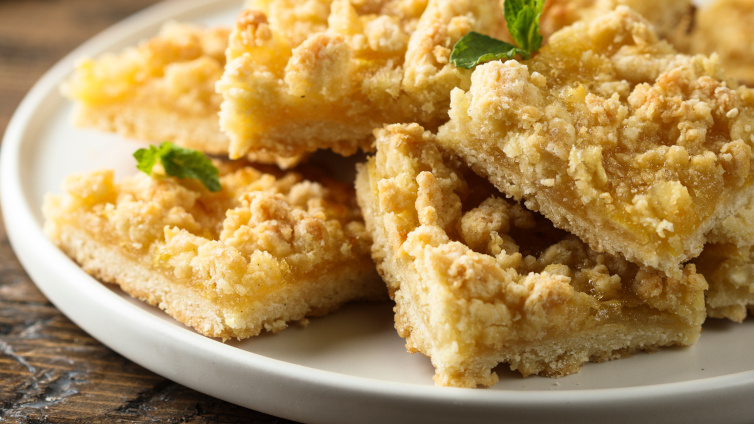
(303,76)
(160,90)
(479,280)
(263,251)
(613,136)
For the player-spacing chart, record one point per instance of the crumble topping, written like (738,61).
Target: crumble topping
(479,280)
(613,136)
(326,74)
(243,253)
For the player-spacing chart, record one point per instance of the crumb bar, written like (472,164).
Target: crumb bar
(264,251)
(323,74)
(161,90)
(479,280)
(613,136)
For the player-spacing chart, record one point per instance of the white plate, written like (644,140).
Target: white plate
(347,367)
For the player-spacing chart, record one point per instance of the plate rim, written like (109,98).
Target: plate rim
(361,393)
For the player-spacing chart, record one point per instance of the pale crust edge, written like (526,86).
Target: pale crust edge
(545,358)
(291,303)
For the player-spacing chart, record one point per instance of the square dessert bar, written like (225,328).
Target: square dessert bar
(324,73)
(264,251)
(479,280)
(163,89)
(613,136)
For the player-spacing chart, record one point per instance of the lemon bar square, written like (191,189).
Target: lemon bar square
(322,74)
(479,280)
(614,137)
(264,251)
(162,89)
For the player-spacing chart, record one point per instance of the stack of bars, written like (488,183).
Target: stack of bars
(591,202)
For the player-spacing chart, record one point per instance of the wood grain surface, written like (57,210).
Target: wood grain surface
(50,370)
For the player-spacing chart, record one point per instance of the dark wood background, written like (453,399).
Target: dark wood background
(50,370)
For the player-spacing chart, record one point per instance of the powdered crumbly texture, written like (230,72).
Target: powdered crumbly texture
(161,90)
(260,253)
(479,280)
(614,137)
(319,74)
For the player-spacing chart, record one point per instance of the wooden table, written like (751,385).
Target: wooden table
(50,370)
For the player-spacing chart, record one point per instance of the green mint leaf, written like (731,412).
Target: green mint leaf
(522,17)
(475,48)
(186,163)
(146,159)
(511,9)
(179,162)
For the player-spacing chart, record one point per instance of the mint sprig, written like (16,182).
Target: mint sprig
(179,162)
(475,48)
(522,17)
